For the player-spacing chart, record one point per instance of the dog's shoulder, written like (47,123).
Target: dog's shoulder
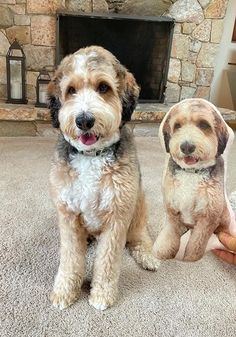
(126,144)
(219,169)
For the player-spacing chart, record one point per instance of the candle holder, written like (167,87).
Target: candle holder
(16,69)
(41,88)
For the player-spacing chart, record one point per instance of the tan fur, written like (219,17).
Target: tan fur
(124,218)
(203,210)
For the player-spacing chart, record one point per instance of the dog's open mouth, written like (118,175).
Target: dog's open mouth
(190,160)
(88,138)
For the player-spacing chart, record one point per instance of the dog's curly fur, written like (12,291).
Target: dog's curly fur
(96,187)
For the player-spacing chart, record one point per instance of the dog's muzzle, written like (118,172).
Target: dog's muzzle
(85,121)
(187,148)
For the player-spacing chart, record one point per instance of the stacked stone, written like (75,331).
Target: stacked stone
(33,24)
(199,25)
(198,31)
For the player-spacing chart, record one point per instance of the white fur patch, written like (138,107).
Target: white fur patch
(81,63)
(98,305)
(184,197)
(84,194)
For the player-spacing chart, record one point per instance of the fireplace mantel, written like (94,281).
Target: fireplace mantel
(150,112)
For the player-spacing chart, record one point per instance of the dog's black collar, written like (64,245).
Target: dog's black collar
(104,151)
(177,167)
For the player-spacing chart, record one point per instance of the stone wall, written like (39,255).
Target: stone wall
(198,31)
(199,25)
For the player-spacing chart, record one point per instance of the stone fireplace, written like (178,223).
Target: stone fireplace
(142,44)
(181,70)
(197,33)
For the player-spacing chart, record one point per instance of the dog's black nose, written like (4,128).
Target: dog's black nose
(85,121)
(187,148)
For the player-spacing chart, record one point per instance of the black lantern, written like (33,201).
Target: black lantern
(41,88)
(15,60)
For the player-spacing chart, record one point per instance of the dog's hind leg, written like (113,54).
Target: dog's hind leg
(138,238)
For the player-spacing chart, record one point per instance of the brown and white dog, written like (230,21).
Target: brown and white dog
(195,137)
(95,177)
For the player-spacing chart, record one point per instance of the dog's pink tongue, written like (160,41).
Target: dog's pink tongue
(190,160)
(88,139)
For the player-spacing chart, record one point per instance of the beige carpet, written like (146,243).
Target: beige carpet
(179,300)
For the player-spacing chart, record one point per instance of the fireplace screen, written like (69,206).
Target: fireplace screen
(142,44)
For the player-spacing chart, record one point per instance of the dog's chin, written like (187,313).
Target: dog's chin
(187,162)
(193,162)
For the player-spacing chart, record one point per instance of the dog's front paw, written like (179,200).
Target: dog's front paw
(66,291)
(102,299)
(166,245)
(146,259)
(192,256)
(165,254)
(193,252)
(63,300)
(164,251)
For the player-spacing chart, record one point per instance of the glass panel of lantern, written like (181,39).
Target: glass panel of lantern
(41,88)
(16,68)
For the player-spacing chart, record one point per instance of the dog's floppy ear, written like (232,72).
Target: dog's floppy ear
(54,103)
(130,97)
(166,134)
(221,133)
(129,91)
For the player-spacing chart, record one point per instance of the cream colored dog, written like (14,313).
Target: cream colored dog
(195,137)
(95,177)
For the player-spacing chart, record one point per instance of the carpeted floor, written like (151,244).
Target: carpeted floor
(179,300)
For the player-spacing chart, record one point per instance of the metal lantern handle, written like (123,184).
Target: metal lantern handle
(15,46)
(44,73)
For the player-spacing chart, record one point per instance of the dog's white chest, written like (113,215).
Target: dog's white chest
(85,195)
(184,196)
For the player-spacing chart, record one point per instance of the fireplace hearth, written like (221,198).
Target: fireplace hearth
(142,44)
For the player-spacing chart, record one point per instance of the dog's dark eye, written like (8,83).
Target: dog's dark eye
(203,125)
(103,88)
(71,91)
(177,126)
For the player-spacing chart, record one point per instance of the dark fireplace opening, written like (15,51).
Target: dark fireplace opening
(142,44)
